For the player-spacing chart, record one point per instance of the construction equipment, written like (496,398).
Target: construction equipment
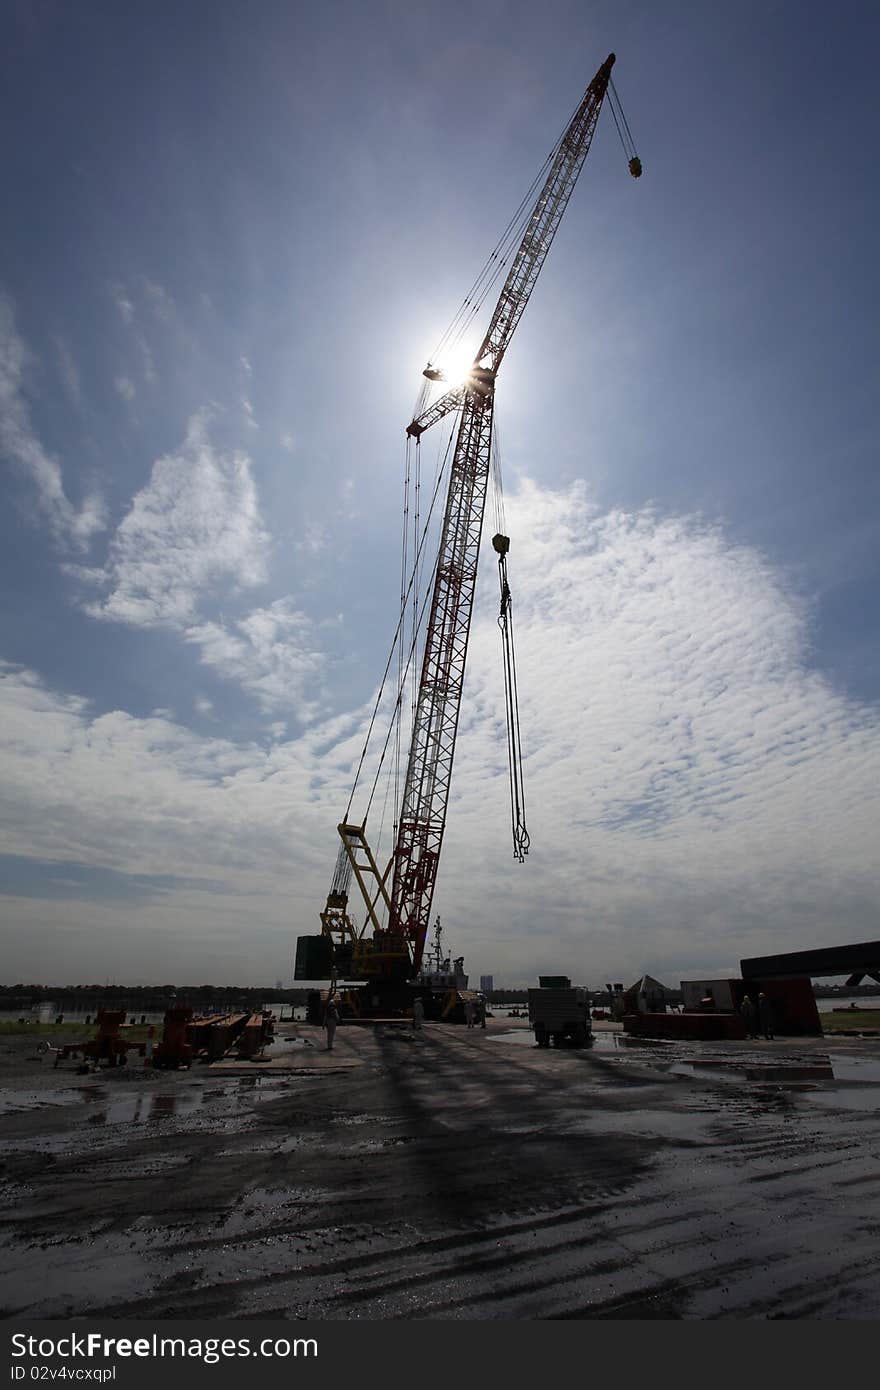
(108,1045)
(386,953)
(560,1012)
(175,1048)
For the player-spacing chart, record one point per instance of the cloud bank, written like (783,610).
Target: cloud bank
(695,791)
(19,442)
(195,525)
(270,653)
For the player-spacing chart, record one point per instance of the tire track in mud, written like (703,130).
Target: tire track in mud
(381,1286)
(455,1177)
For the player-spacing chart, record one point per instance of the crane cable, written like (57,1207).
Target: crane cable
(501,543)
(465,314)
(398,635)
(513,233)
(491,270)
(496,261)
(623,130)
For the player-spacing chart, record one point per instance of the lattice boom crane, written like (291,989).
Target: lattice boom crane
(396,950)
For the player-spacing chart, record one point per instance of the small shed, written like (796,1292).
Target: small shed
(646,996)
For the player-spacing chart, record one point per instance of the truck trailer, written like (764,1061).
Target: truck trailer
(560,1012)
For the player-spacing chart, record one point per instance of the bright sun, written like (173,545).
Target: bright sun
(456,364)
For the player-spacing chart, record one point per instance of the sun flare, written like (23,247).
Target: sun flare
(455,364)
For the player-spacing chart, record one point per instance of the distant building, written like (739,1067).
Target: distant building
(486,983)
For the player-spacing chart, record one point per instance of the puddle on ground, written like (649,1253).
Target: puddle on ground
(602,1042)
(12,1102)
(861,1098)
(833,1080)
(137,1107)
(263,1084)
(738,1071)
(277,1205)
(856,1068)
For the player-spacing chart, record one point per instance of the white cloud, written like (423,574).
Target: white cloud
(159,300)
(147,796)
(346,497)
(21,445)
(162,307)
(315,539)
(288,443)
(125,387)
(269,653)
(695,792)
(193,527)
(123,303)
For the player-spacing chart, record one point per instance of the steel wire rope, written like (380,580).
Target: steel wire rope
(516,225)
(394,642)
(615,102)
(469,310)
(442,461)
(397,719)
(475,296)
(400,693)
(470,306)
(402,620)
(497,483)
(521,841)
(416,573)
(388,781)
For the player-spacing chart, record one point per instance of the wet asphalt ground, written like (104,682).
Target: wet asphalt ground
(447,1174)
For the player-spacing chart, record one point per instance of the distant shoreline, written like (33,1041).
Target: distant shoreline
(157,998)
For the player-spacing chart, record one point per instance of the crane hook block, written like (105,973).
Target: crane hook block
(501,543)
(433,374)
(635,167)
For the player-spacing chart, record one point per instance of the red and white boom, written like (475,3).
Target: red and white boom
(429,769)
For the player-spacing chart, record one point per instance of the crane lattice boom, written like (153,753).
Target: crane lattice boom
(429,770)
(544,221)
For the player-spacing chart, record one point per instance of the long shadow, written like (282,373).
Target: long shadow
(490,1133)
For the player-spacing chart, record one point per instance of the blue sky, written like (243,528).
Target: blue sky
(233,234)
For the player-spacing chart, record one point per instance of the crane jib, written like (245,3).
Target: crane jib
(436,709)
(429,769)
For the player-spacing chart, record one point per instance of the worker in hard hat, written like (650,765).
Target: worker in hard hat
(765,1015)
(749,1016)
(331,1019)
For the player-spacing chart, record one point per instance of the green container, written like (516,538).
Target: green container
(313,958)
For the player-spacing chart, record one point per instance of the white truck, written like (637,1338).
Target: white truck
(561,1012)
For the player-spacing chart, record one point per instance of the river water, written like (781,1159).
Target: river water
(47,1013)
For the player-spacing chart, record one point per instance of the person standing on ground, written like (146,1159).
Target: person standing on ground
(481,1011)
(469,1012)
(749,1017)
(418,1014)
(765,1015)
(331,1018)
